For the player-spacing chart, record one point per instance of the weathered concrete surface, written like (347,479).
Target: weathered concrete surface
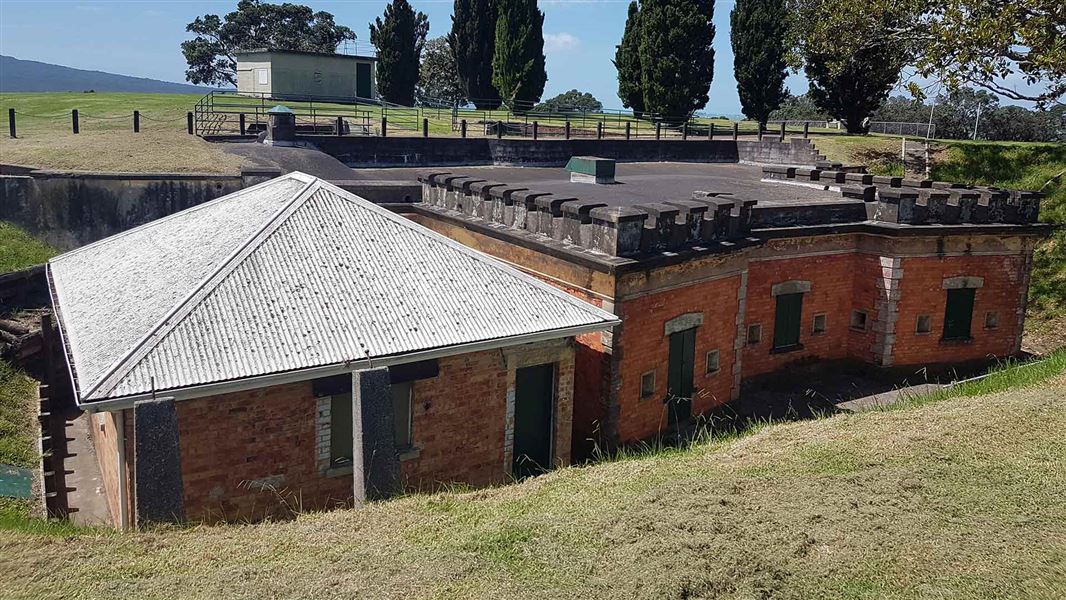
(157,462)
(88,498)
(373,433)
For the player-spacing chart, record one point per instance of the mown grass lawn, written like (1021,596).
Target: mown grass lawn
(964,497)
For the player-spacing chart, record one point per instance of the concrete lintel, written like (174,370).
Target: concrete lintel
(962,283)
(794,286)
(683,322)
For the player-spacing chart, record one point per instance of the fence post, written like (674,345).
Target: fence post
(658,130)
(736,131)
(627,130)
(188,122)
(499,130)
(782,131)
(11,121)
(462,128)
(599,130)
(425,128)
(384,126)
(759,127)
(806,129)
(536,129)
(340,126)
(74,119)
(684,130)
(243,128)
(567,129)
(710,131)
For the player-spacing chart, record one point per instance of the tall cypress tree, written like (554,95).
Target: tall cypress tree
(676,56)
(518,65)
(757,31)
(473,43)
(399,39)
(627,62)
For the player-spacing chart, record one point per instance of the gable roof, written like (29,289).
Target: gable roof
(288,275)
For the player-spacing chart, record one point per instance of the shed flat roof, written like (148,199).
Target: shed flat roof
(309,53)
(289,275)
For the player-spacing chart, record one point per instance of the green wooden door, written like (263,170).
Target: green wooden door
(679,376)
(787,320)
(362,80)
(958,314)
(534,399)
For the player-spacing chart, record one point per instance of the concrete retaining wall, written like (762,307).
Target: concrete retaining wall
(70,209)
(414,151)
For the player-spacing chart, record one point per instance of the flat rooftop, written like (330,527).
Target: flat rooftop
(638,183)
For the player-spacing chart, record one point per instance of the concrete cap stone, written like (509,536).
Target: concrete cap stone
(505,192)
(618,214)
(580,208)
(552,204)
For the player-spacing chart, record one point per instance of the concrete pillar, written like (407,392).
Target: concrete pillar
(158,496)
(375,463)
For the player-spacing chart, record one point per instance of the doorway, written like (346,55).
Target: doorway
(679,376)
(534,401)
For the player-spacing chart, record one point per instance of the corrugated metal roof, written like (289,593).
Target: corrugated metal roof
(325,278)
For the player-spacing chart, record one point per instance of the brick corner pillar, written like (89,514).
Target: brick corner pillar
(158,487)
(376,468)
(889,282)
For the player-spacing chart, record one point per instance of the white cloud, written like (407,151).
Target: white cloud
(560,42)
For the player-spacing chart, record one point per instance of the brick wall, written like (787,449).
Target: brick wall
(252,454)
(105,441)
(922,294)
(832,278)
(643,346)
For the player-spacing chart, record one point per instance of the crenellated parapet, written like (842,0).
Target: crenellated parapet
(902,200)
(706,218)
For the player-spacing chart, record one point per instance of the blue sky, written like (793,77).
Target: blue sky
(142,38)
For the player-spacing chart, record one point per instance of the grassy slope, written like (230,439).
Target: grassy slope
(18,441)
(18,250)
(961,498)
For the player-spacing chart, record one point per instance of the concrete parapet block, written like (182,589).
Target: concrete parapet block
(159,490)
(961,204)
(691,213)
(550,215)
(833,177)
(808,174)
(917,183)
(660,225)
(453,191)
(617,230)
(866,193)
(859,178)
(719,210)
(577,222)
(776,172)
(933,203)
(740,218)
(895,206)
(1028,205)
(888,180)
(481,193)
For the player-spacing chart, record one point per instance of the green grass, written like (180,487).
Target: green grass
(39,113)
(18,443)
(18,250)
(960,498)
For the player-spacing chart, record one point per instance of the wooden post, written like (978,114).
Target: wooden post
(710,132)
(244,129)
(74,120)
(599,130)
(11,121)
(627,130)
(340,126)
(462,128)
(188,122)
(759,127)
(425,128)
(684,130)
(384,127)
(567,129)
(499,130)
(736,131)
(658,131)
(536,129)
(136,121)
(782,131)
(806,129)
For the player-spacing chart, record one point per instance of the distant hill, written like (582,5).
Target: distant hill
(18,75)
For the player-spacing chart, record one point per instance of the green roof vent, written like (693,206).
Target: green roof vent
(591,169)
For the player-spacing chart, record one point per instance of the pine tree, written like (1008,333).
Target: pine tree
(676,56)
(399,39)
(473,43)
(853,89)
(518,64)
(627,62)
(757,29)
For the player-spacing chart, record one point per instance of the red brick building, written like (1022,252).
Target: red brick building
(758,272)
(292,346)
